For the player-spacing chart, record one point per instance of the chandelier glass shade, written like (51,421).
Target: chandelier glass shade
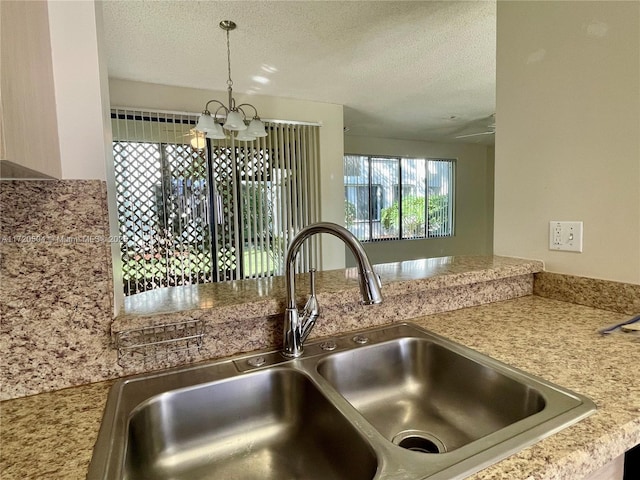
(233,117)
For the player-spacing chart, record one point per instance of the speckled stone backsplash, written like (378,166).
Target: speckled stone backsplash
(592,292)
(55,289)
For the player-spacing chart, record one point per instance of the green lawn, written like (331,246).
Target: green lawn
(256,263)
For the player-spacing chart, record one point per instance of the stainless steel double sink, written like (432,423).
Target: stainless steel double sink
(387,403)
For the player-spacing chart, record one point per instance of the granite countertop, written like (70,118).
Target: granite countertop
(51,435)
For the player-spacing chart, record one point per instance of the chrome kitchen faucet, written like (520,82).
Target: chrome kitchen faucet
(297,326)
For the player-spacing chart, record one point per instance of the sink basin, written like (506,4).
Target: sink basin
(273,424)
(426,397)
(390,403)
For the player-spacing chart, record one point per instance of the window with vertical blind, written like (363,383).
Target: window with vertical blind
(395,198)
(193,210)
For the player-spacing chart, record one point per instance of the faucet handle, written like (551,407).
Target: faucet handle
(312,281)
(311,310)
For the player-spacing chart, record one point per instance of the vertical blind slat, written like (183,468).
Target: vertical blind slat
(268,237)
(281,191)
(236,217)
(304,192)
(245,230)
(289,208)
(295,207)
(264,208)
(316,195)
(287,167)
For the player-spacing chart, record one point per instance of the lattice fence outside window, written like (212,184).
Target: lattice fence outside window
(194,211)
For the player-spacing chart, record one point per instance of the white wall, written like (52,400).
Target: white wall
(125,93)
(568,133)
(79,94)
(473,203)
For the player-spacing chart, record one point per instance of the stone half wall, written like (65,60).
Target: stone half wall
(55,286)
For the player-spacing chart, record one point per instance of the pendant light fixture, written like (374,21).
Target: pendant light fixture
(234,115)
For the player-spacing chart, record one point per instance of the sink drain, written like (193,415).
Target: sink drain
(419,441)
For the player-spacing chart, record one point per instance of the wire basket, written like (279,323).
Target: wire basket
(159,342)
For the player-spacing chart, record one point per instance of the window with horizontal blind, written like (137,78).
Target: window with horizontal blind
(394,198)
(193,210)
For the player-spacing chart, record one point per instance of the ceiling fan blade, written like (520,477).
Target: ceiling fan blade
(476,134)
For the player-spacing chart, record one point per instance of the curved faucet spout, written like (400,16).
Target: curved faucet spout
(296,326)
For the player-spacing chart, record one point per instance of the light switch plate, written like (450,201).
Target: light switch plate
(565,236)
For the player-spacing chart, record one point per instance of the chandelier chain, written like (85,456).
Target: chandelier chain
(229,81)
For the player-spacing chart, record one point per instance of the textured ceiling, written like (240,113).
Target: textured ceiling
(401,69)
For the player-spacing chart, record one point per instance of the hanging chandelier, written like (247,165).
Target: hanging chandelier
(233,115)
